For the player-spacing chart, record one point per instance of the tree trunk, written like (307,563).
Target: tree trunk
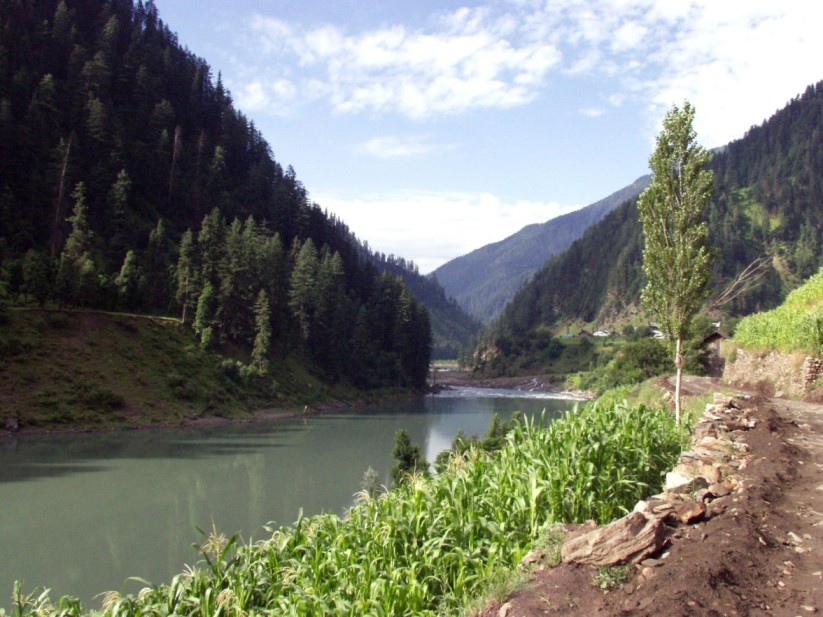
(678,365)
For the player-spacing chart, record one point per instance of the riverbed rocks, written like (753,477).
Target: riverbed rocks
(700,486)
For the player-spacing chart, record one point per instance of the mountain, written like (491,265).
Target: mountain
(130,182)
(453,330)
(483,281)
(768,191)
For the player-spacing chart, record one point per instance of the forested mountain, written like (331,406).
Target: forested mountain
(484,280)
(453,330)
(128,180)
(768,196)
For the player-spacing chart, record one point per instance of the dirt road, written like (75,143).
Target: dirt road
(762,556)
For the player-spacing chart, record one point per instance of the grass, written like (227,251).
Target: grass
(86,369)
(433,544)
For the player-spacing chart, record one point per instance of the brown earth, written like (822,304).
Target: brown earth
(762,556)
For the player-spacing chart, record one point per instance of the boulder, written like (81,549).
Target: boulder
(629,539)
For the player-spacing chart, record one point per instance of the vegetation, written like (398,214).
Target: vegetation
(76,368)
(131,183)
(767,190)
(484,281)
(676,259)
(435,542)
(794,326)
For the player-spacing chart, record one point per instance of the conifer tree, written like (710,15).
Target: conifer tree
(184,274)
(676,257)
(75,275)
(262,338)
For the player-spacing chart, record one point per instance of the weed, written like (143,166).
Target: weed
(609,578)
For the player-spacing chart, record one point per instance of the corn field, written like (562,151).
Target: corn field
(796,325)
(430,546)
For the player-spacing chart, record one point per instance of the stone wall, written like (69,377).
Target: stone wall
(773,373)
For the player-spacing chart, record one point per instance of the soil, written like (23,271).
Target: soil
(762,556)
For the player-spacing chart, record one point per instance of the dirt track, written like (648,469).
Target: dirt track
(762,556)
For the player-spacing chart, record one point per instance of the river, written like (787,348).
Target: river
(80,514)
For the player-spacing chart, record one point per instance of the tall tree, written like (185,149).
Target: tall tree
(262,338)
(676,258)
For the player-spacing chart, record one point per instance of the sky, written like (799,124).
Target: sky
(432,128)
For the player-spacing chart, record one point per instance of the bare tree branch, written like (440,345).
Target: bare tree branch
(751,276)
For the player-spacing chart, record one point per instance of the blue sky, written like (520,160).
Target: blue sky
(434,128)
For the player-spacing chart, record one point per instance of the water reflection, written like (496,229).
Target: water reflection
(81,513)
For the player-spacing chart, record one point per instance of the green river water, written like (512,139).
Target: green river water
(80,514)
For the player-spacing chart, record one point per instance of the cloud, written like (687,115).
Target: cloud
(391,146)
(592,112)
(470,60)
(433,228)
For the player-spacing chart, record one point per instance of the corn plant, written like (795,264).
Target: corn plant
(431,545)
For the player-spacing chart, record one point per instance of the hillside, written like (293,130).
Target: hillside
(484,281)
(766,203)
(130,182)
(453,330)
(74,370)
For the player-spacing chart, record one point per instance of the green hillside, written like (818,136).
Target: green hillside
(85,369)
(794,326)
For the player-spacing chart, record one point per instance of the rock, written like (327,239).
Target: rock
(11,424)
(689,511)
(631,538)
(533,556)
(719,490)
(679,483)
(505,609)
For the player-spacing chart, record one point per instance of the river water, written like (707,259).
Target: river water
(80,514)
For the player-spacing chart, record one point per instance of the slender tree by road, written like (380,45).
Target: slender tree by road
(676,259)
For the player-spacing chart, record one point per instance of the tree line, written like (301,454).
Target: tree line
(130,181)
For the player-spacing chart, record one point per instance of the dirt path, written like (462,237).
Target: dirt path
(762,555)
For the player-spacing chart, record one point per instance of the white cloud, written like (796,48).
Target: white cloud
(433,228)
(391,146)
(592,112)
(473,59)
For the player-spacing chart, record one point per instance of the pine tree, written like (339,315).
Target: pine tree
(409,458)
(76,272)
(262,339)
(676,258)
(185,274)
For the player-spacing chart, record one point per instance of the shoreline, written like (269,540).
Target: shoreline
(445,380)
(259,416)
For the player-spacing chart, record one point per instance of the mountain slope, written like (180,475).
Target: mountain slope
(483,281)
(130,182)
(453,330)
(768,192)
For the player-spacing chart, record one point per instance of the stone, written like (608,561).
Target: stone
(629,539)
(688,511)
(11,424)
(505,609)
(719,490)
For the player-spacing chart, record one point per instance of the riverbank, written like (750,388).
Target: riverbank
(454,377)
(85,371)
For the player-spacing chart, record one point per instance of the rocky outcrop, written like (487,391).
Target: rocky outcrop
(698,487)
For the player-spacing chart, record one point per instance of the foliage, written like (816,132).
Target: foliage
(410,460)
(434,543)
(767,190)
(796,325)
(609,578)
(676,260)
(131,158)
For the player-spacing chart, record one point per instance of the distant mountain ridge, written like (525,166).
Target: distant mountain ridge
(768,191)
(485,280)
